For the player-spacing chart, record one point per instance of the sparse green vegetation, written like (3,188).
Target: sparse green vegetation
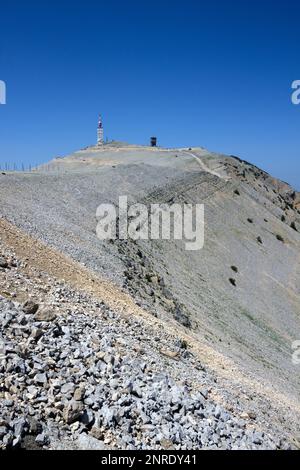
(293,226)
(182,343)
(280,238)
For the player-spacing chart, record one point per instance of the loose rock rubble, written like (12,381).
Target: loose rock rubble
(246,339)
(75,374)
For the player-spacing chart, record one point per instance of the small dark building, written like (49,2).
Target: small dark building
(153,141)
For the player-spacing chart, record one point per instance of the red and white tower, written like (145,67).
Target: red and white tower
(100,140)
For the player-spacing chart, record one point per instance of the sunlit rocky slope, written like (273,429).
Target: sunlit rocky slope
(238,298)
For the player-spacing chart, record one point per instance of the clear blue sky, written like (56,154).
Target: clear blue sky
(216,74)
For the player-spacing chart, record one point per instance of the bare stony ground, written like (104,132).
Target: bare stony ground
(77,374)
(143,344)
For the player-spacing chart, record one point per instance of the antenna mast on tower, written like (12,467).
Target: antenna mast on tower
(100,139)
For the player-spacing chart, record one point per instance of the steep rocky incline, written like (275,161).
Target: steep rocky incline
(236,302)
(74,374)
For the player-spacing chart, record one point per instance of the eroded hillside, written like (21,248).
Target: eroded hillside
(239,296)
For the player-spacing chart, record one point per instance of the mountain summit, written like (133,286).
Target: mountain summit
(235,304)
